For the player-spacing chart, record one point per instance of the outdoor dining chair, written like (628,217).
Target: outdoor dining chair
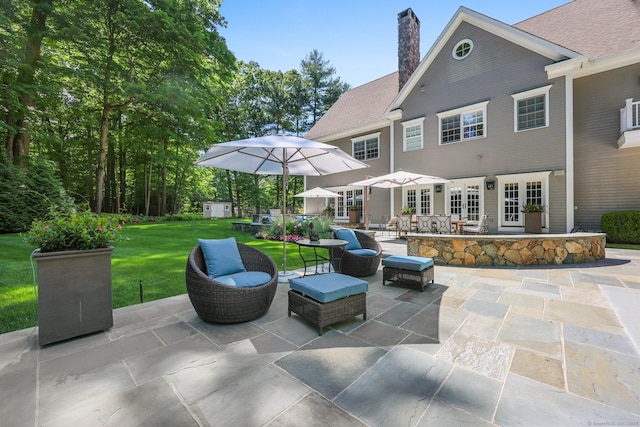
(404,224)
(441,224)
(423,224)
(481,228)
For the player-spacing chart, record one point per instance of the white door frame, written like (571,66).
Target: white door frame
(521,179)
(466,185)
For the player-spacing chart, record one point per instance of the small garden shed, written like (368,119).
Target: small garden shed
(217,209)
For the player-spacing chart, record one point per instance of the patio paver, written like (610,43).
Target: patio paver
(481,346)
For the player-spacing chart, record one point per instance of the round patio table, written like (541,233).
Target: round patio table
(328,244)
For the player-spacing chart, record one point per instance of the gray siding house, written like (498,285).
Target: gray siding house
(545,111)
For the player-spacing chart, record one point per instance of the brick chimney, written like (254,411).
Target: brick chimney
(408,45)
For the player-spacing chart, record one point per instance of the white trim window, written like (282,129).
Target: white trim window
(531,109)
(462,49)
(366,147)
(412,132)
(463,124)
(517,190)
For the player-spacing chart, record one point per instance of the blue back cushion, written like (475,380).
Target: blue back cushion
(350,236)
(221,257)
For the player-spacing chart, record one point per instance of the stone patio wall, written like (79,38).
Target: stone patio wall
(512,250)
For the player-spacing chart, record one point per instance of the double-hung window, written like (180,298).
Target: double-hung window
(366,147)
(531,109)
(412,134)
(463,124)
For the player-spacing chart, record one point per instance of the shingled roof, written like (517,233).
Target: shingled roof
(360,107)
(594,28)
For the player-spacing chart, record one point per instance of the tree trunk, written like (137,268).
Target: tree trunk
(17,145)
(230,189)
(296,200)
(89,178)
(6,84)
(122,193)
(102,151)
(256,186)
(147,190)
(110,187)
(178,189)
(162,205)
(238,198)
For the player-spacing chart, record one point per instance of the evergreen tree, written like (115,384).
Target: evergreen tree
(323,88)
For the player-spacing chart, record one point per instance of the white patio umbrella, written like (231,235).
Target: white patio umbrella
(399,179)
(316,193)
(396,179)
(280,155)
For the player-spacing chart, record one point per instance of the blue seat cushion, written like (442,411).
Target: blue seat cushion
(350,236)
(245,279)
(328,287)
(363,252)
(221,256)
(405,262)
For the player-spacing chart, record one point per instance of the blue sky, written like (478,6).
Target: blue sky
(358,37)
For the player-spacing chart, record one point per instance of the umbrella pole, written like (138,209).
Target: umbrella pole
(366,208)
(284,214)
(284,275)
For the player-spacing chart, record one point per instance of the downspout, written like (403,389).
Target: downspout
(569,167)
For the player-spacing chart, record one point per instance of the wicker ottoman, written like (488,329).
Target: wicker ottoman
(408,269)
(325,299)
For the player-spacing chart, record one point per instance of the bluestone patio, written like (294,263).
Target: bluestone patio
(553,346)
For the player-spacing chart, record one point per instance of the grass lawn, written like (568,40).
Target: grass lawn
(154,253)
(623,246)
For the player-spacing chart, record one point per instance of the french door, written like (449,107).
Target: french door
(347,199)
(519,190)
(466,199)
(419,198)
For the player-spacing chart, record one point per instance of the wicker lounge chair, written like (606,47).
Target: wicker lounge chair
(216,302)
(357,265)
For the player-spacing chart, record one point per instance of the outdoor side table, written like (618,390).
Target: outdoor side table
(319,258)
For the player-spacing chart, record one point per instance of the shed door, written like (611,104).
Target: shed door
(217,210)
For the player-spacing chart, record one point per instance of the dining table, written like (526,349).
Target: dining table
(459,224)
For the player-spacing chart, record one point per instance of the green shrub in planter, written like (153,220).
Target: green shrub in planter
(621,227)
(72,229)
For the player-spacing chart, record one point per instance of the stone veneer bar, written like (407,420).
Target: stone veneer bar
(508,250)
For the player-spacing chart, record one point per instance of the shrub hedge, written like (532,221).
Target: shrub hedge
(622,226)
(26,193)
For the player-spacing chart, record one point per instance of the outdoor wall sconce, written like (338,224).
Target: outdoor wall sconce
(438,188)
(491,185)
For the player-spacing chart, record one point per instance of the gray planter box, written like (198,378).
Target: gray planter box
(533,222)
(74,293)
